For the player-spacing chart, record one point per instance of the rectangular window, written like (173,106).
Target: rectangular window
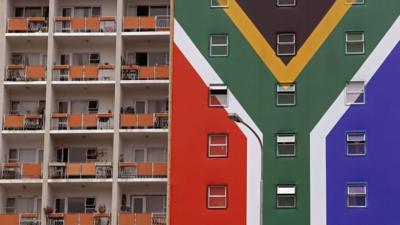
(286,95)
(286,2)
(356,195)
(218,95)
(355,93)
(286,44)
(354,2)
(219,45)
(217,197)
(13,155)
(355,43)
(356,144)
(219,3)
(286,196)
(285,145)
(217,145)
(10,205)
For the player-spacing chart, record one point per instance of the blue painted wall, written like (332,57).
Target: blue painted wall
(380,168)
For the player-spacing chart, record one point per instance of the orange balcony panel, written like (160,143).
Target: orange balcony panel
(162,72)
(86,219)
(18,24)
(160,169)
(127,219)
(88,169)
(35,72)
(92,72)
(31,170)
(75,120)
(89,120)
(9,219)
(148,22)
(73,169)
(93,23)
(129,120)
(14,121)
(145,120)
(131,23)
(143,219)
(78,24)
(76,72)
(146,72)
(144,169)
(71,219)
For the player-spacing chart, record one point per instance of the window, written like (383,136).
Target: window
(10,205)
(355,43)
(218,95)
(219,45)
(286,44)
(286,2)
(286,95)
(354,2)
(219,3)
(285,145)
(356,144)
(217,145)
(81,205)
(12,155)
(357,195)
(355,93)
(217,197)
(286,196)
(60,205)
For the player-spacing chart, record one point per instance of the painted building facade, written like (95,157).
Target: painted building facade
(315,80)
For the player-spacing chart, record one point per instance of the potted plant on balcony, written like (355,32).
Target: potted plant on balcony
(48,210)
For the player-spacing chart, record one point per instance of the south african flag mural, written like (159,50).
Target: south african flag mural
(285,112)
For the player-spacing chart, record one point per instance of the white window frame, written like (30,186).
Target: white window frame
(362,41)
(284,43)
(219,5)
(65,204)
(286,5)
(286,190)
(348,142)
(281,90)
(209,196)
(218,87)
(354,2)
(210,136)
(219,45)
(348,92)
(364,193)
(288,139)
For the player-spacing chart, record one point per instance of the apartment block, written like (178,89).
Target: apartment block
(84,87)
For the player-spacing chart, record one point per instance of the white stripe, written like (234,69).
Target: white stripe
(209,76)
(332,116)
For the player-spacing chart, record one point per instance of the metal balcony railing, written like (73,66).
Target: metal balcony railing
(23,122)
(146,23)
(25,73)
(27,25)
(133,72)
(100,170)
(143,169)
(64,121)
(153,121)
(17,170)
(83,73)
(105,24)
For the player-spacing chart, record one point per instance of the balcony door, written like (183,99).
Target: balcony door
(138,204)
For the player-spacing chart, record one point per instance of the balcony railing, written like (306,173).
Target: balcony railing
(79,219)
(100,170)
(27,25)
(153,120)
(64,121)
(143,170)
(25,73)
(146,23)
(23,122)
(21,170)
(85,24)
(20,219)
(83,73)
(142,219)
(133,72)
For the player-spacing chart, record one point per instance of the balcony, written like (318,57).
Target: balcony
(20,219)
(64,121)
(142,219)
(27,25)
(143,170)
(79,218)
(133,72)
(99,170)
(104,24)
(146,23)
(25,73)
(21,171)
(23,122)
(83,73)
(153,120)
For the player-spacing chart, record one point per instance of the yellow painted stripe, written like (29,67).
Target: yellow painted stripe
(287,73)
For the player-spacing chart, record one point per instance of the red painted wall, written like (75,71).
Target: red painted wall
(191,169)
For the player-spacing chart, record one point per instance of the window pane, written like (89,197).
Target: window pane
(217,190)
(155,204)
(357,189)
(286,201)
(286,49)
(286,2)
(219,50)
(219,39)
(286,99)
(286,38)
(156,155)
(355,47)
(286,149)
(355,36)
(357,201)
(356,149)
